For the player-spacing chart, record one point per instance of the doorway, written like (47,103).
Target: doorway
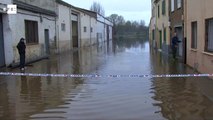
(2,55)
(160,33)
(75,33)
(179,32)
(75,38)
(108,37)
(47,43)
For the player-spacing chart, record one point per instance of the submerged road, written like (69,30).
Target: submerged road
(105,98)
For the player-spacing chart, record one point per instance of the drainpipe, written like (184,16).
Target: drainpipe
(90,31)
(185,28)
(70,21)
(79,30)
(57,33)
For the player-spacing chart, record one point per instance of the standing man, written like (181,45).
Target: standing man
(175,42)
(21,49)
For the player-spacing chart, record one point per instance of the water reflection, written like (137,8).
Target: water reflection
(180,98)
(52,98)
(21,97)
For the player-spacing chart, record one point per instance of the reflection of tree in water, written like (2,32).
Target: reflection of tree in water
(126,42)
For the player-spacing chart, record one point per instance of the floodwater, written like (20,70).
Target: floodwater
(125,98)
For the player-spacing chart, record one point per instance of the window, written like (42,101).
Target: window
(63,27)
(163,7)
(85,29)
(164,34)
(178,3)
(158,11)
(31,32)
(153,34)
(172,5)
(194,35)
(160,33)
(209,35)
(153,12)
(91,29)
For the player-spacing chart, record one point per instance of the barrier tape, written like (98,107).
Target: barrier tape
(109,76)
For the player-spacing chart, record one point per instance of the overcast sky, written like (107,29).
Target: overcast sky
(129,9)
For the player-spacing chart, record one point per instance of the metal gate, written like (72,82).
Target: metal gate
(2,56)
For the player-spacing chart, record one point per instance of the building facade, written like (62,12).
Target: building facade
(160,25)
(34,21)
(63,27)
(49,26)
(176,17)
(88,27)
(199,34)
(3,34)
(192,20)
(152,26)
(104,29)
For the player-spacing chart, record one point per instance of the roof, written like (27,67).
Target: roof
(88,12)
(25,6)
(63,3)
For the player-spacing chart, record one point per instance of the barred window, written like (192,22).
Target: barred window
(85,29)
(31,32)
(63,27)
(164,34)
(163,7)
(194,35)
(158,11)
(209,35)
(91,29)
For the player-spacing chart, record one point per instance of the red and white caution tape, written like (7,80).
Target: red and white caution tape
(99,76)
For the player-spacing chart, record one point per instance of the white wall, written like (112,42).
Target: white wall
(110,24)
(46,23)
(102,27)
(65,37)
(100,30)
(14,29)
(7,32)
(85,36)
(94,32)
(45,4)
(110,32)
(8,37)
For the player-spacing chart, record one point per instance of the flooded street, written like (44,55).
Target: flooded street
(104,98)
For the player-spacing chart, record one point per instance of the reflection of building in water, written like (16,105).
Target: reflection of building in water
(76,62)
(6,108)
(24,96)
(183,101)
(180,98)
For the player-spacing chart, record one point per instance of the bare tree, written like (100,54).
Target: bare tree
(116,19)
(96,7)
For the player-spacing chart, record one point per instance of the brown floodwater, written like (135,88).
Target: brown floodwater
(104,98)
